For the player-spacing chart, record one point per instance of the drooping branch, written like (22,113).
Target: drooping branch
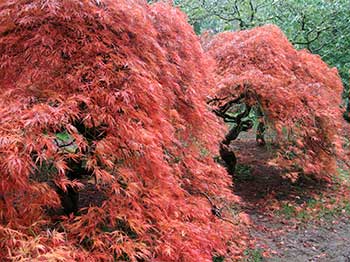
(240,125)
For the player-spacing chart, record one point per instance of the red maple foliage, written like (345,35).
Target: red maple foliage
(298,94)
(115,91)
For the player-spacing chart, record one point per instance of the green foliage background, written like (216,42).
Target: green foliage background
(321,26)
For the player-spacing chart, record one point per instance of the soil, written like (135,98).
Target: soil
(264,188)
(314,242)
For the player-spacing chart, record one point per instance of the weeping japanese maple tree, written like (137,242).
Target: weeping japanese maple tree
(107,95)
(294,93)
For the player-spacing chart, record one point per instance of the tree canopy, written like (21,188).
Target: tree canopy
(297,93)
(114,92)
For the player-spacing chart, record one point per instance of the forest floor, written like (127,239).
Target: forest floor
(293,219)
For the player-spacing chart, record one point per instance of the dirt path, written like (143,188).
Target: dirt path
(270,198)
(313,242)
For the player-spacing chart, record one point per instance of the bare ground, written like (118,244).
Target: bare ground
(269,197)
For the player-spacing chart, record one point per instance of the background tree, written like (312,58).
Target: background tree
(221,15)
(317,25)
(295,91)
(108,95)
(320,27)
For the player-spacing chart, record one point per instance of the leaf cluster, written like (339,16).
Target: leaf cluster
(113,90)
(296,91)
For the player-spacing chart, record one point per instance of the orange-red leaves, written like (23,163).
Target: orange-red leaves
(298,93)
(113,90)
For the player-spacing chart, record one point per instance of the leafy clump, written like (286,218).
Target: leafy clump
(295,92)
(115,91)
